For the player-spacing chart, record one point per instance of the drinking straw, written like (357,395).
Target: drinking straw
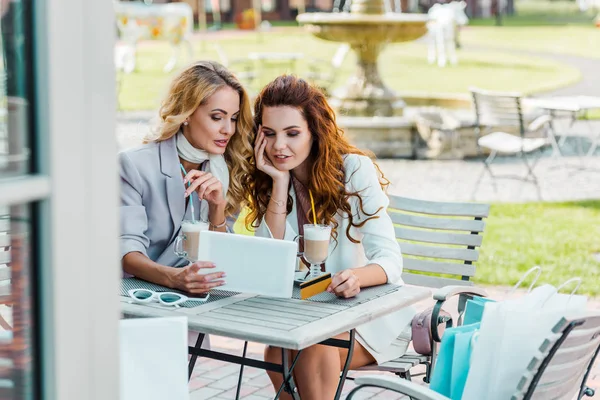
(312,204)
(189,184)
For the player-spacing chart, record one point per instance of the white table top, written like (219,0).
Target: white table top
(564,103)
(288,323)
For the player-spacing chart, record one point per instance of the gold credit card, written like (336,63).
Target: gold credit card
(315,286)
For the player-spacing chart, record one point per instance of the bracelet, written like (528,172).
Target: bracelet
(279,203)
(220,225)
(279,213)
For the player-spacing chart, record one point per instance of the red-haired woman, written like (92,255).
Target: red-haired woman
(300,151)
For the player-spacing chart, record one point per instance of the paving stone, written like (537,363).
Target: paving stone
(204,393)
(267,391)
(221,372)
(226,383)
(197,383)
(244,392)
(260,381)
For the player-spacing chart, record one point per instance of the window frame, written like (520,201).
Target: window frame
(76,180)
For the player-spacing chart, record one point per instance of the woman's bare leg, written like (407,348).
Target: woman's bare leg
(317,372)
(273,355)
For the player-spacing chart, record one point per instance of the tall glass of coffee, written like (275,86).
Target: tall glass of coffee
(187,243)
(316,247)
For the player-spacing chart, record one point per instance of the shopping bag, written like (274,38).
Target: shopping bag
(461,363)
(474,310)
(474,307)
(448,355)
(511,333)
(153,358)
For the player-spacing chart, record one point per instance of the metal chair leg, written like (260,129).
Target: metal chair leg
(486,168)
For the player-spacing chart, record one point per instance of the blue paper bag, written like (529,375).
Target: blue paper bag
(452,365)
(474,310)
(461,362)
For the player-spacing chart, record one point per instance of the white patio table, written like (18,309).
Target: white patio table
(287,323)
(573,107)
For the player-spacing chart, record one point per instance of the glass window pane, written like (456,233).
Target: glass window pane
(15,60)
(16,313)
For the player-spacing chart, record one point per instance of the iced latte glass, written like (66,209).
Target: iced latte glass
(316,247)
(187,243)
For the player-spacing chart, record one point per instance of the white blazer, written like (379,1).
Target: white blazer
(378,244)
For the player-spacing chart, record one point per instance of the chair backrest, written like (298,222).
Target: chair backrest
(564,361)
(438,238)
(498,109)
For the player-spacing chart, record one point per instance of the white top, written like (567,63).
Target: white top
(378,245)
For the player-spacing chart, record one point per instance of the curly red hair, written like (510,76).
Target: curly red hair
(327,180)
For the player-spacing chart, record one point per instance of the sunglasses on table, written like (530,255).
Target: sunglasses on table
(164,298)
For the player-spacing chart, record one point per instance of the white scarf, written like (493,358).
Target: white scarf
(217,165)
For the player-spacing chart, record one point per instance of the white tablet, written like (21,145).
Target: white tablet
(252,264)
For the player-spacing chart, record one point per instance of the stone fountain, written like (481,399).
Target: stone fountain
(369,111)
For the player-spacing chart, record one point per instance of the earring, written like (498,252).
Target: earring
(185,123)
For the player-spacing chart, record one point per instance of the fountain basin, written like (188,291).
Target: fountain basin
(365,93)
(365,29)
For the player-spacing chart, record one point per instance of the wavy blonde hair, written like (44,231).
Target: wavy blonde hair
(327,175)
(192,88)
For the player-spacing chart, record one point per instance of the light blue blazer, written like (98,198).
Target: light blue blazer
(153,202)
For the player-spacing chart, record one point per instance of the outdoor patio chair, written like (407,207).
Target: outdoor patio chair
(323,73)
(559,371)
(504,110)
(439,242)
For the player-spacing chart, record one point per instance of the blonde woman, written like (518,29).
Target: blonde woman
(200,150)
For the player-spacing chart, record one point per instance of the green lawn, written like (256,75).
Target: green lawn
(562,238)
(543,13)
(403,66)
(542,26)
(583,41)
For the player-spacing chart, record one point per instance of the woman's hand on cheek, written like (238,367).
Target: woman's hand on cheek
(262,161)
(344,284)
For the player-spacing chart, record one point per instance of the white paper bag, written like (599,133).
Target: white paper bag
(153,354)
(510,335)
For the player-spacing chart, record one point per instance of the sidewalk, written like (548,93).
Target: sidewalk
(217,380)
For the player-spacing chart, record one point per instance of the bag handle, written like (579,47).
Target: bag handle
(525,275)
(565,283)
